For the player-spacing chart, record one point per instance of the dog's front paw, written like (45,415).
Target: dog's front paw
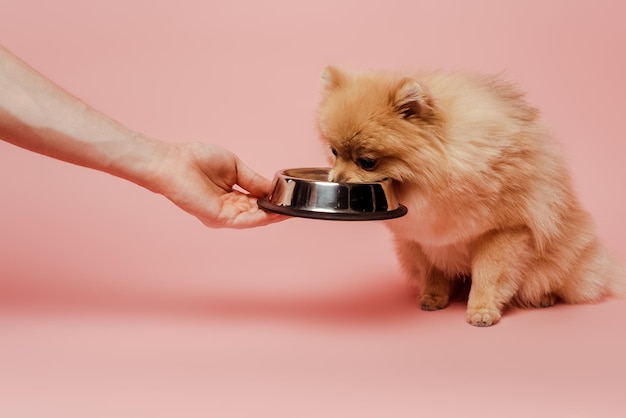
(431,302)
(483,317)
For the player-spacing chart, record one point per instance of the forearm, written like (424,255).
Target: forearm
(199,178)
(38,115)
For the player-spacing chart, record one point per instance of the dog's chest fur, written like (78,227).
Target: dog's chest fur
(445,239)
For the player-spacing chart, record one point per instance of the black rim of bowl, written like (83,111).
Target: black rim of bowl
(401,210)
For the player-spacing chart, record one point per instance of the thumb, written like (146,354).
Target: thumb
(251,181)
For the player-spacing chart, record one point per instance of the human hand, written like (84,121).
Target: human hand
(38,115)
(199,178)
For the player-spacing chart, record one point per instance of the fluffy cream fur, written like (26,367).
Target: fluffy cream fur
(488,193)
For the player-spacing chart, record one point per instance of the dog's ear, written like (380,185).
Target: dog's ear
(333,78)
(411,100)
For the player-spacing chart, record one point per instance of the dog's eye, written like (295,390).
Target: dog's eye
(334,151)
(366,163)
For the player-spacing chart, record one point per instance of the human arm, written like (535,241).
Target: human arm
(38,115)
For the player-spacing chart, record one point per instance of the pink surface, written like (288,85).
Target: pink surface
(116,303)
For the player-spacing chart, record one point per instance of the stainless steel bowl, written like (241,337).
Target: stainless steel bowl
(307,193)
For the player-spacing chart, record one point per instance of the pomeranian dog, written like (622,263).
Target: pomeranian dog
(490,199)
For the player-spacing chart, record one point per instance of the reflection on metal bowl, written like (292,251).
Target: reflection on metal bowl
(306,192)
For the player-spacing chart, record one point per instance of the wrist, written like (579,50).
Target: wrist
(140,160)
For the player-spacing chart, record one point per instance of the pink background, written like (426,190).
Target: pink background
(114,303)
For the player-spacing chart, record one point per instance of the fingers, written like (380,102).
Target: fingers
(239,210)
(256,218)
